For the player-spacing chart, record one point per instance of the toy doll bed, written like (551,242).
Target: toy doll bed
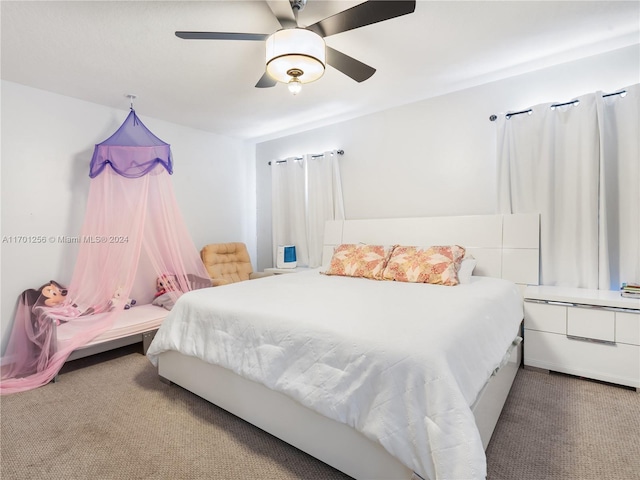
(134,325)
(378,379)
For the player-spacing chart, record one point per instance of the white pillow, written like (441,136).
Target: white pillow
(466,269)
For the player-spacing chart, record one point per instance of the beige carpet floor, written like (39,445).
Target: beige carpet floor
(109,417)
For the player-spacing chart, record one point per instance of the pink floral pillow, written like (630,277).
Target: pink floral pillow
(438,265)
(359,260)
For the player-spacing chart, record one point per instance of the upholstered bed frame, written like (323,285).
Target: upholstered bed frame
(505,246)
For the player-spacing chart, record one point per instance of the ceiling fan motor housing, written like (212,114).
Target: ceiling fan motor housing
(297,5)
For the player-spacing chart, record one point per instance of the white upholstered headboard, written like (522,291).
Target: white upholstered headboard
(506,246)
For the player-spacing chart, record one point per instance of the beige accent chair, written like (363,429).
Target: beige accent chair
(228,263)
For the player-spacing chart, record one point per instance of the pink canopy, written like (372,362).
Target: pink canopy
(131,209)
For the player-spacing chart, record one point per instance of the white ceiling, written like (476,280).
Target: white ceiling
(100,51)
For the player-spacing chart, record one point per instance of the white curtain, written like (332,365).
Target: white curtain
(619,128)
(568,163)
(305,192)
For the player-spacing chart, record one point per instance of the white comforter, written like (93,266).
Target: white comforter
(399,362)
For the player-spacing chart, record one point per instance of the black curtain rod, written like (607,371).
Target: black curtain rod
(621,92)
(493,118)
(572,102)
(315,155)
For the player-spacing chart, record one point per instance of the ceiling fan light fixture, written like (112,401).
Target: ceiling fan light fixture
(295,50)
(294,85)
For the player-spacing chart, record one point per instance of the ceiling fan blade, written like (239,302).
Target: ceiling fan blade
(266,81)
(283,12)
(349,66)
(221,36)
(367,13)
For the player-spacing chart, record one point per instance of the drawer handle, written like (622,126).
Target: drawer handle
(583,305)
(622,310)
(591,340)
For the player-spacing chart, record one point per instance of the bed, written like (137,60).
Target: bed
(137,324)
(133,325)
(353,371)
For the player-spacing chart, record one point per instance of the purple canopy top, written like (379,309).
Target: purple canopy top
(133,151)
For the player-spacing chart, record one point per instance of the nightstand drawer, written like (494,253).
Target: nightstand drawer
(596,324)
(545,317)
(616,363)
(628,328)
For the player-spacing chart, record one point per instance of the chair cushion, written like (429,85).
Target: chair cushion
(227,261)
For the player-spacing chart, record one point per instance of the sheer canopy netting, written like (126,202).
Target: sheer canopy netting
(127,213)
(131,152)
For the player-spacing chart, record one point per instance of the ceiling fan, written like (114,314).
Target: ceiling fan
(297,55)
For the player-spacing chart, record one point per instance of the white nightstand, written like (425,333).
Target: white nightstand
(590,333)
(279,271)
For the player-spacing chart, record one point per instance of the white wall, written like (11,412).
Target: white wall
(47,144)
(436,156)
